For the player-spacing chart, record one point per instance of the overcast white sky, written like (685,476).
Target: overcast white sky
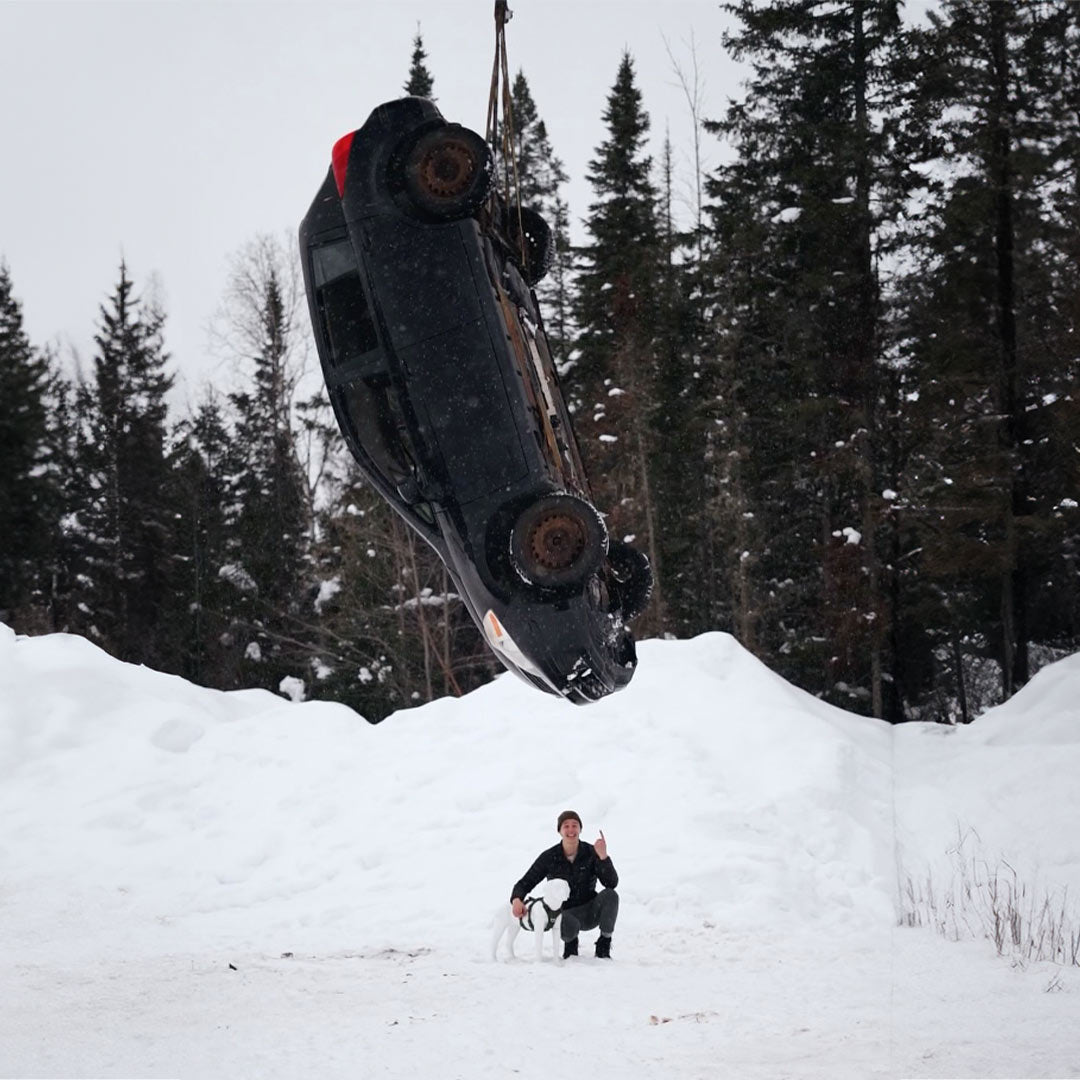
(173,132)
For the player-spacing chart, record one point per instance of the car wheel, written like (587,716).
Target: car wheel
(539,244)
(558,542)
(633,580)
(447,173)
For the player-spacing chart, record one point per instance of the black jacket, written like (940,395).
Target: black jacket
(582,873)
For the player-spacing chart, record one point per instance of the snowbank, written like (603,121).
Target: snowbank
(760,835)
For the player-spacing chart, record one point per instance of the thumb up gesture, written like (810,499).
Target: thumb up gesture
(600,846)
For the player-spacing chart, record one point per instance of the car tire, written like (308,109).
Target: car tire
(446,172)
(558,542)
(633,581)
(539,245)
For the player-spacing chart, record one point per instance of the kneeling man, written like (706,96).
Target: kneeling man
(581,865)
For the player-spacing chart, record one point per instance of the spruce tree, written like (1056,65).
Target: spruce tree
(29,498)
(420,82)
(205,467)
(122,519)
(541,177)
(799,223)
(269,529)
(678,436)
(540,172)
(991,303)
(1054,426)
(610,384)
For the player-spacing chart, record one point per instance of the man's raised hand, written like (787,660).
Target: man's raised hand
(600,847)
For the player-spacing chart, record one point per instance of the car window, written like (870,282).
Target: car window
(360,379)
(378,427)
(346,318)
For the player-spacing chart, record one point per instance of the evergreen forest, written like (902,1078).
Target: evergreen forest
(836,402)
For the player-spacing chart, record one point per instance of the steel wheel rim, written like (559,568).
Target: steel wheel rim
(446,170)
(557,541)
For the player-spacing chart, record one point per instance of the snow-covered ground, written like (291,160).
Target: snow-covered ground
(197,884)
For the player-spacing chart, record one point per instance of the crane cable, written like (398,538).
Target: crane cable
(509,152)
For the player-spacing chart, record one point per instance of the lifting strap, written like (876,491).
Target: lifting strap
(504,133)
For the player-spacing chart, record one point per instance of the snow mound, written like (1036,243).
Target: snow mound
(725,793)
(297,885)
(1000,792)
(1046,711)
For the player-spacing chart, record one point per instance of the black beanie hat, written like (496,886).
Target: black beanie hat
(566,815)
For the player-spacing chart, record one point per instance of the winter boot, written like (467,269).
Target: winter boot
(569,949)
(603,948)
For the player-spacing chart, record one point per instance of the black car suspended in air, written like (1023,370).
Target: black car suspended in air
(419,282)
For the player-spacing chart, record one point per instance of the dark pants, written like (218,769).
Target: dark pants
(602,910)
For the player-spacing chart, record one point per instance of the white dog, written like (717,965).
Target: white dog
(542,913)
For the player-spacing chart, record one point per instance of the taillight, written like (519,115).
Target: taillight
(339,157)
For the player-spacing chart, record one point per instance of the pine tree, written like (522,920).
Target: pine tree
(1054,427)
(29,497)
(205,465)
(540,172)
(799,222)
(420,83)
(685,442)
(358,661)
(992,292)
(541,176)
(269,528)
(678,437)
(123,524)
(610,385)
